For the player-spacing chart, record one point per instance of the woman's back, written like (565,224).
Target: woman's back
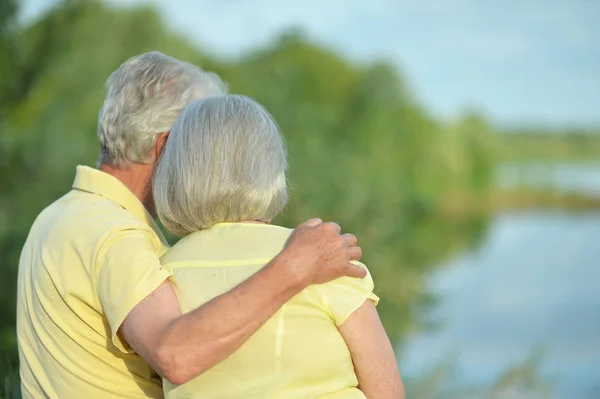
(299,352)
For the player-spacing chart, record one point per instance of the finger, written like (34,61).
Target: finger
(335,226)
(312,222)
(355,271)
(354,252)
(349,239)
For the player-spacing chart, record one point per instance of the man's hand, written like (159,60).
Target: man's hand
(316,253)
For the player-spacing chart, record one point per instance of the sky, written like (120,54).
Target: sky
(516,61)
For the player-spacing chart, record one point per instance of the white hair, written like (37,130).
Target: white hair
(224,161)
(144,97)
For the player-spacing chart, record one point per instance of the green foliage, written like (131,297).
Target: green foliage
(362,150)
(10,388)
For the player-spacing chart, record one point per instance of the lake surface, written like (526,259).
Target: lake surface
(532,285)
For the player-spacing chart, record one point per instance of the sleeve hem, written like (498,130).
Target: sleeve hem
(367,296)
(141,291)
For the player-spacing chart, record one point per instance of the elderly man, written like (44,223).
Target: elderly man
(96,313)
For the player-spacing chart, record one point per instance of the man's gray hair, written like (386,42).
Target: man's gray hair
(144,97)
(224,161)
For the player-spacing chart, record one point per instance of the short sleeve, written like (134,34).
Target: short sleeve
(127,271)
(346,294)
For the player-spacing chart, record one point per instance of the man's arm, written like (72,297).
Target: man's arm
(181,347)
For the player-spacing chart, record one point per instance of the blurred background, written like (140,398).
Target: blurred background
(459,139)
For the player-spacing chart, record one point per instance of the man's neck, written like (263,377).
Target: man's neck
(136,178)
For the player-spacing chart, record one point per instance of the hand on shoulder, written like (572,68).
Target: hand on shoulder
(317,252)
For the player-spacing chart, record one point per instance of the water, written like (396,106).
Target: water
(532,285)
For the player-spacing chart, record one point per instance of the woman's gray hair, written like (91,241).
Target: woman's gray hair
(224,161)
(144,97)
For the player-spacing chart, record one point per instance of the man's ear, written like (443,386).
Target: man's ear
(159,144)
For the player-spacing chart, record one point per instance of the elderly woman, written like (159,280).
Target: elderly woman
(219,183)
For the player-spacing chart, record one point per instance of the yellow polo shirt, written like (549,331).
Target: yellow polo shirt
(90,257)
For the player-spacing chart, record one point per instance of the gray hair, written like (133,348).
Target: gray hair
(144,97)
(224,161)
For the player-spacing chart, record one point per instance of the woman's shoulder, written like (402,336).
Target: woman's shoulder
(352,283)
(235,242)
(345,294)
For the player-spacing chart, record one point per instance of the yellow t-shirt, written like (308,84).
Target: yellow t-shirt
(90,257)
(299,352)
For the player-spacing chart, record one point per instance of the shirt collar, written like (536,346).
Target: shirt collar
(97,182)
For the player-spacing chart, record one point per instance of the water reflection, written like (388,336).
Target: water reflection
(531,285)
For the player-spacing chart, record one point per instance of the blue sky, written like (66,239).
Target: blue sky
(518,61)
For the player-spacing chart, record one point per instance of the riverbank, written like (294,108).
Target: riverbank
(549,146)
(460,205)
